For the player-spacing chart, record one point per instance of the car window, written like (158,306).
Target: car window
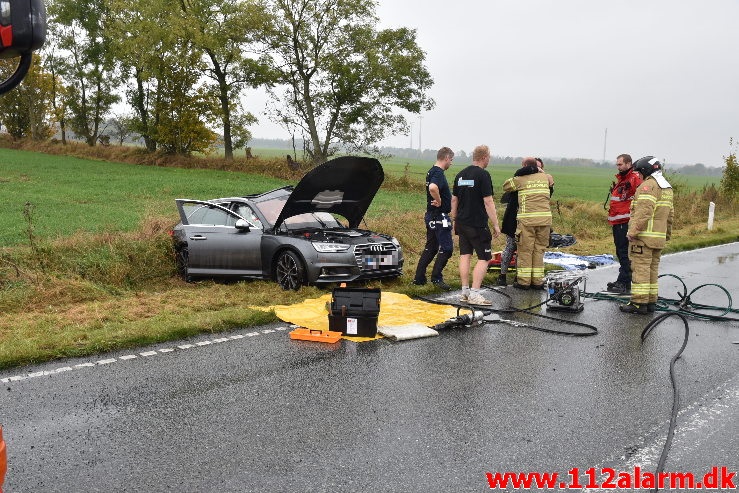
(208,215)
(247,213)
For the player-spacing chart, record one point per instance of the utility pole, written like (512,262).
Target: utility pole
(411,134)
(420,149)
(605,139)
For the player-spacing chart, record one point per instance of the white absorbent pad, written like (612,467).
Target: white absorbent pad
(407,331)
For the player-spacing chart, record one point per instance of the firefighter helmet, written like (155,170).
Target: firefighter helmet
(647,165)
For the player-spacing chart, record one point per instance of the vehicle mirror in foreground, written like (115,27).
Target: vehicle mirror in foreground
(242,225)
(22,31)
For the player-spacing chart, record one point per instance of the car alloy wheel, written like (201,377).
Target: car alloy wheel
(289,271)
(182,256)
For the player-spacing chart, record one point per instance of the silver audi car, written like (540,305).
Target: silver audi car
(291,234)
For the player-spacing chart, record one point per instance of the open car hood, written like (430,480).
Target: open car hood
(344,186)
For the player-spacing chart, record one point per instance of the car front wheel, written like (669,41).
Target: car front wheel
(289,271)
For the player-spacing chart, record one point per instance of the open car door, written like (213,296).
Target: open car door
(215,245)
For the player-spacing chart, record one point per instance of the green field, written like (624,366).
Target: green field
(69,194)
(584,183)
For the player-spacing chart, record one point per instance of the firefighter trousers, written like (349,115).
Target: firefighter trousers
(644,272)
(532,242)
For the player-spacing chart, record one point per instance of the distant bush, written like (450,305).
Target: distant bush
(730,179)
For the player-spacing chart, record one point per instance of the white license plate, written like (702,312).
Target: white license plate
(379,261)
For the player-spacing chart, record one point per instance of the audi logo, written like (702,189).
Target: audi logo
(376,248)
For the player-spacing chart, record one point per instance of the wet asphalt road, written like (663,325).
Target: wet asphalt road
(252,410)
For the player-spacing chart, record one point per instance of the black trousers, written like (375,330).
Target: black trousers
(622,252)
(439,244)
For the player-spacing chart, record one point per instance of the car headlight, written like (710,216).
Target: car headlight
(395,242)
(329,247)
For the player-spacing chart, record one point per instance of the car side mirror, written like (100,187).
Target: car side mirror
(22,31)
(242,225)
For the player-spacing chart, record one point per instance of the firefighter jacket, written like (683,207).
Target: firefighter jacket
(622,192)
(652,212)
(533,198)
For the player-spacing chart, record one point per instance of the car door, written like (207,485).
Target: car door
(216,247)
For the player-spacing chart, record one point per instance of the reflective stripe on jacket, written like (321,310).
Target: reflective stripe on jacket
(651,214)
(533,198)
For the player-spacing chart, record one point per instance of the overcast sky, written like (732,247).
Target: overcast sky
(548,77)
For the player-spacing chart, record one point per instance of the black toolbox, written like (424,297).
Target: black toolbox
(354,311)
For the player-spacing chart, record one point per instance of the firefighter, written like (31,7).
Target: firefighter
(650,228)
(534,223)
(621,195)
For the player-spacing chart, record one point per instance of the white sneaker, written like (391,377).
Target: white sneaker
(464,298)
(477,299)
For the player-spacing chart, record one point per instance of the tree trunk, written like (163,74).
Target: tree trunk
(225,108)
(140,107)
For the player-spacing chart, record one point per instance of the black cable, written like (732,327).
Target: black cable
(511,309)
(675,391)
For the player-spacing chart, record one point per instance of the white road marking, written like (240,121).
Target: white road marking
(127,357)
(696,423)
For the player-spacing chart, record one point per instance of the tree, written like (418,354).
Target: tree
(121,127)
(344,79)
(142,32)
(90,69)
(227,31)
(59,93)
(27,111)
(182,108)
(730,178)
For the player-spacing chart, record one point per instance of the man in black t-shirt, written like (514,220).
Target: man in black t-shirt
(472,206)
(439,242)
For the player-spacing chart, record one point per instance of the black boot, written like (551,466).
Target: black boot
(630,307)
(651,307)
(502,281)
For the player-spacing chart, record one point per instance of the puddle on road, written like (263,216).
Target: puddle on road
(723,259)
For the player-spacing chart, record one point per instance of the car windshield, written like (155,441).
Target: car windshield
(322,220)
(271,210)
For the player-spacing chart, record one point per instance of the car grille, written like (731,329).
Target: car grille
(373,257)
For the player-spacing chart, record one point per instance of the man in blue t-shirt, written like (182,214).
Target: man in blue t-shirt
(472,207)
(439,242)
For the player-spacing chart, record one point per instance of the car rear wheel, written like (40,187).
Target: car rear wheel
(182,256)
(289,271)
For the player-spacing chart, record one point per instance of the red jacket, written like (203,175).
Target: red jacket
(622,192)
